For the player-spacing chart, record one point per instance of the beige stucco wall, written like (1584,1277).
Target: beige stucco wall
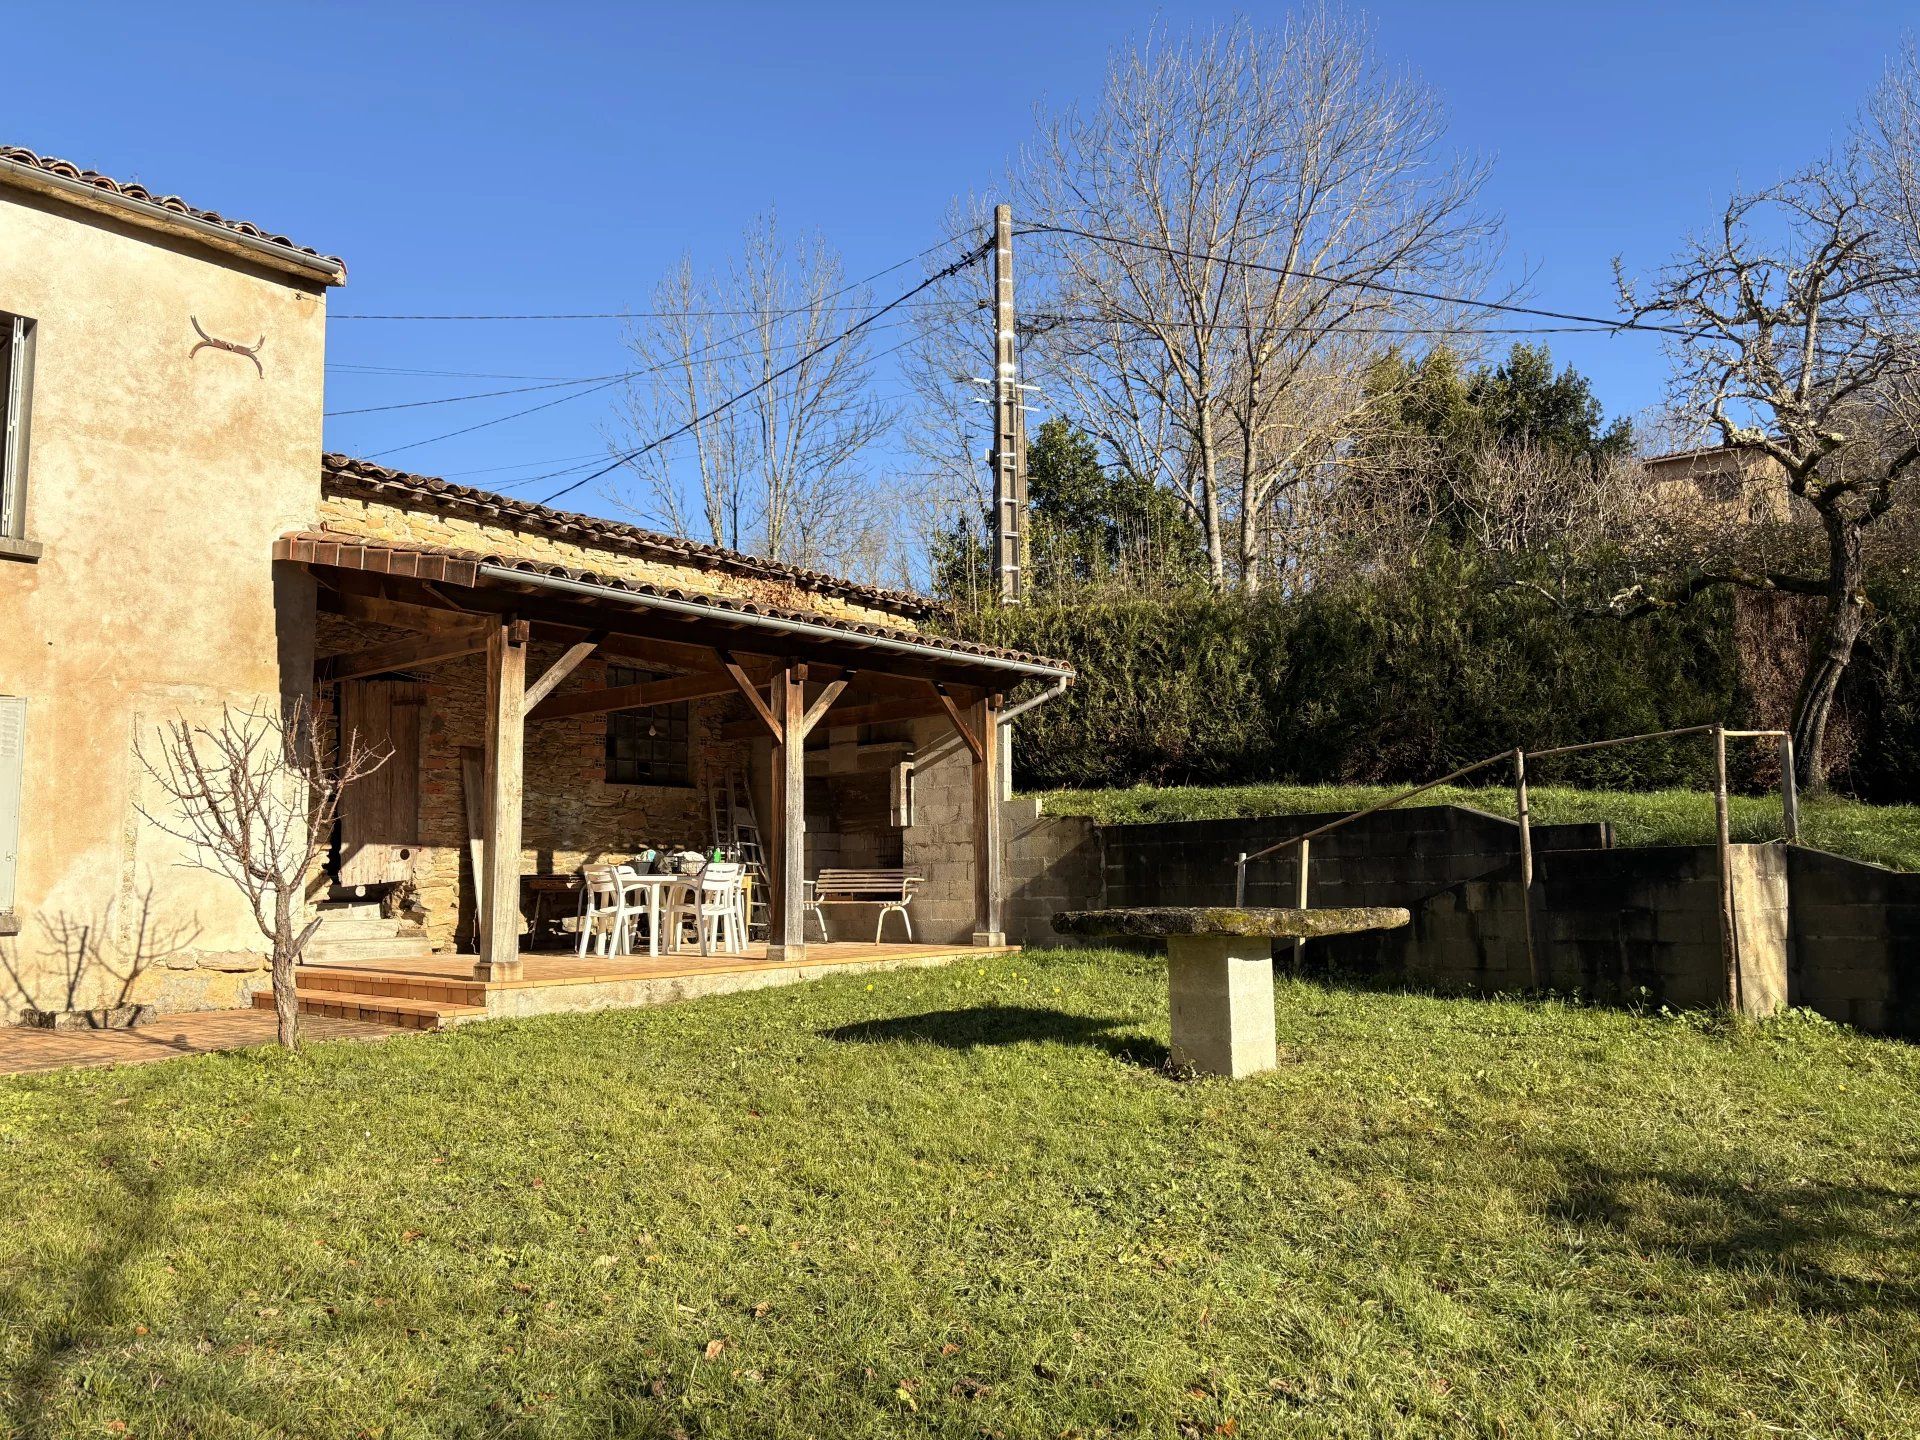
(158,481)
(423,523)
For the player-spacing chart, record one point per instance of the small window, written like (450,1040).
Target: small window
(16,378)
(647,747)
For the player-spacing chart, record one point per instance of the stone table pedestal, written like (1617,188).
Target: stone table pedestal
(1220,971)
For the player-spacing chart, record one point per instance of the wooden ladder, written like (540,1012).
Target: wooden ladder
(737,827)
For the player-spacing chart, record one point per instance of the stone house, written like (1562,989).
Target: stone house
(556,688)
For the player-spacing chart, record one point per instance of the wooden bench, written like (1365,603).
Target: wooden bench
(891,890)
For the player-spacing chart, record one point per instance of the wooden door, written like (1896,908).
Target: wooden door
(380,813)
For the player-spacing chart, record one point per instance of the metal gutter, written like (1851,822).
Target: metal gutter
(774,624)
(159,217)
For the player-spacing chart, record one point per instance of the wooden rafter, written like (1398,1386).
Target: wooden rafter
(704,685)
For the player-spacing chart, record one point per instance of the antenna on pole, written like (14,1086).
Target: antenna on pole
(1009,454)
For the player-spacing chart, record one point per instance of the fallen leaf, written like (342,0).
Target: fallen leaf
(407,1237)
(949,1348)
(714,1347)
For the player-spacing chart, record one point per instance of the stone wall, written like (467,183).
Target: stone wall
(571,815)
(421,522)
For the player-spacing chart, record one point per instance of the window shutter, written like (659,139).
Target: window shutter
(13,728)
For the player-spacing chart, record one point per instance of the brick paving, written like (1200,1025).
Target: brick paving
(25,1051)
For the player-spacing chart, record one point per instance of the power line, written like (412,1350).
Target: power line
(591,381)
(674,314)
(953,269)
(1056,317)
(585,460)
(1379,287)
(661,314)
(605,381)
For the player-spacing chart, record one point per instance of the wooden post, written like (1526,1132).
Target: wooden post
(1522,814)
(989,878)
(506,746)
(1723,854)
(1300,877)
(786,917)
(1789,793)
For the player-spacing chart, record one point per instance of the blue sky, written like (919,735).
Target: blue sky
(558,157)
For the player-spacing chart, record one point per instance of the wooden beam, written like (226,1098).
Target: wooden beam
(410,654)
(821,706)
(671,691)
(377,610)
(744,684)
(989,878)
(845,717)
(560,669)
(786,918)
(973,741)
(473,789)
(506,753)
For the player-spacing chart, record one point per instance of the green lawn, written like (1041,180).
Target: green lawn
(970,1202)
(1884,834)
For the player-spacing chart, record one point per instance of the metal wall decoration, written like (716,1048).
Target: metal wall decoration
(232,347)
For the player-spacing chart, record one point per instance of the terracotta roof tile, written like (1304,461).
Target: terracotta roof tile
(330,547)
(349,474)
(66,169)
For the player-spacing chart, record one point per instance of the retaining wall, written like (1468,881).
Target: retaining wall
(1640,925)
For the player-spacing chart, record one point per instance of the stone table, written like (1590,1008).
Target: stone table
(1220,970)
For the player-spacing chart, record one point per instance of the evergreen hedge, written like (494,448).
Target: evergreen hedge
(1404,680)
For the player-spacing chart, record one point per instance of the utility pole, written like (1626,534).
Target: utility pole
(1009,454)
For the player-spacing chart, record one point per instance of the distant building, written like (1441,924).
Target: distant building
(1745,484)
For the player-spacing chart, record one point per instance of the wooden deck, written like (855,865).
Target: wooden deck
(431,992)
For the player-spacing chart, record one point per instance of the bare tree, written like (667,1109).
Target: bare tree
(254,796)
(1799,344)
(781,474)
(1224,235)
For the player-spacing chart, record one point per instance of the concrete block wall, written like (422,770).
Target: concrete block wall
(1397,857)
(1855,941)
(1620,926)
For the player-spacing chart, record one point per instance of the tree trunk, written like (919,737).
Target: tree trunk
(1210,499)
(1250,534)
(1832,650)
(286,956)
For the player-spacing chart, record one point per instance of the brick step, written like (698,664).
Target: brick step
(385,1010)
(444,989)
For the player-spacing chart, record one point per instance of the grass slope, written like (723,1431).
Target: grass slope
(1883,834)
(967,1202)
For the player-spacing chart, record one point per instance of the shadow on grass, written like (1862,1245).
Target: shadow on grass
(93,1298)
(1801,1237)
(987,1025)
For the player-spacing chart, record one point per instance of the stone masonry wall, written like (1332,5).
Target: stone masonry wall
(423,524)
(571,815)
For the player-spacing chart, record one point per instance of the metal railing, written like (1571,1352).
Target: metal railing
(1723,847)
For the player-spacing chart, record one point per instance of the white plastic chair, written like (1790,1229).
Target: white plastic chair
(603,912)
(608,913)
(710,903)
